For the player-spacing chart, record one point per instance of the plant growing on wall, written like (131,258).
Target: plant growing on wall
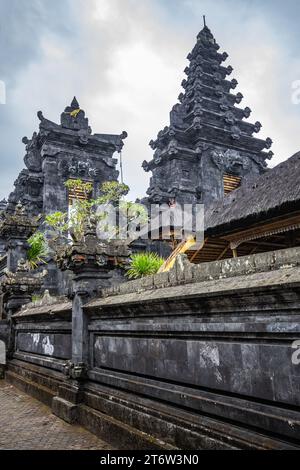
(38,250)
(58,221)
(144,264)
(64,225)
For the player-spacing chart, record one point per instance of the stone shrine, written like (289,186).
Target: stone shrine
(59,152)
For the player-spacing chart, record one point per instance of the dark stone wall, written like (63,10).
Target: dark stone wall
(4,343)
(200,357)
(56,345)
(43,335)
(4,331)
(218,343)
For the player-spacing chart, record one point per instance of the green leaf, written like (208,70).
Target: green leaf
(144,264)
(38,250)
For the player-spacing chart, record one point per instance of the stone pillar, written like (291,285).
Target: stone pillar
(93,263)
(18,284)
(15,229)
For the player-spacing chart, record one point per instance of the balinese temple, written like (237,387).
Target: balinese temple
(258,217)
(208,154)
(209,147)
(61,151)
(56,153)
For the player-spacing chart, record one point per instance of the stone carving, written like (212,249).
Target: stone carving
(28,190)
(145,166)
(3,205)
(74,118)
(75,371)
(32,158)
(78,169)
(217,157)
(18,224)
(18,283)
(83,135)
(229,161)
(46,300)
(91,252)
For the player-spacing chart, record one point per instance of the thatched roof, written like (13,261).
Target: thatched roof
(272,193)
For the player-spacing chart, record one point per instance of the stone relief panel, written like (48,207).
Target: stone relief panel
(78,169)
(230,161)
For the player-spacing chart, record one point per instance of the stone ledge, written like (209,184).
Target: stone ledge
(185,272)
(255,282)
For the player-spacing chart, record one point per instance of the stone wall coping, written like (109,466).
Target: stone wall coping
(64,307)
(185,272)
(288,277)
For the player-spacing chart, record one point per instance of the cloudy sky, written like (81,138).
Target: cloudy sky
(124,60)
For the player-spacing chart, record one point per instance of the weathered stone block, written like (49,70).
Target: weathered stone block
(206,271)
(289,257)
(161,280)
(265,261)
(147,282)
(64,410)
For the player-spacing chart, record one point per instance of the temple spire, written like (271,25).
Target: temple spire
(74,118)
(208,135)
(75,104)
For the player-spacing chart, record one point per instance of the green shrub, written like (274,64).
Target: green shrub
(38,250)
(144,264)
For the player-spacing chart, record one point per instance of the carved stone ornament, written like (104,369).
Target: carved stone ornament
(145,166)
(91,253)
(230,160)
(78,168)
(32,158)
(19,224)
(75,371)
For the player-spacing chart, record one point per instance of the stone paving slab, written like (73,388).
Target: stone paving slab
(25,423)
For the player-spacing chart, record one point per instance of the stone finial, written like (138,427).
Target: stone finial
(74,118)
(75,104)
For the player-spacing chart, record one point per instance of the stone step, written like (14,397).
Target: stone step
(183,428)
(121,435)
(40,392)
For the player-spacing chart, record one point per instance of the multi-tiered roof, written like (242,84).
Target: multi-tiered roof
(207,112)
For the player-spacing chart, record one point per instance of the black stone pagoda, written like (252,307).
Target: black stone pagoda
(209,147)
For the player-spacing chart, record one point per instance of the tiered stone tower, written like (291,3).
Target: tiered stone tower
(208,147)
(59,152)
(55,154)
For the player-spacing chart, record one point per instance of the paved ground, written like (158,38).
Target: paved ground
(25,423)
